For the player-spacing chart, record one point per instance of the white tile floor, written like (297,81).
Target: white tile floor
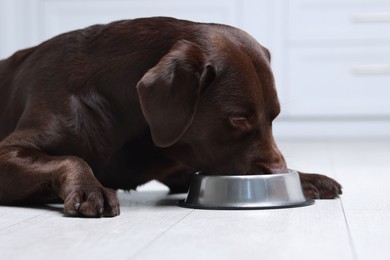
(356,226)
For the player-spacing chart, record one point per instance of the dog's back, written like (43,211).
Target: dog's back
(98,58)
(75,60)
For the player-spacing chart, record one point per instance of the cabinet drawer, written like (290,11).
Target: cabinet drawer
(338,82)
(328,20)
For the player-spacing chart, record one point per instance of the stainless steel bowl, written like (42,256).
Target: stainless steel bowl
(245,191)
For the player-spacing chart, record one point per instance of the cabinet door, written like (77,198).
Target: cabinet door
(347,21)
(339,82)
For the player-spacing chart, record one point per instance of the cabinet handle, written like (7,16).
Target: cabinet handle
(371,17)
(371,69)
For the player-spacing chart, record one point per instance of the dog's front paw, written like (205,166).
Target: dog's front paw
(92,201)
(316,186)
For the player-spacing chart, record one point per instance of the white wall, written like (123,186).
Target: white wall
(331,58)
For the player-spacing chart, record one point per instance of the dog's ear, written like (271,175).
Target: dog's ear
(169,92)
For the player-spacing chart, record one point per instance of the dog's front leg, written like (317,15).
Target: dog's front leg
(30,175)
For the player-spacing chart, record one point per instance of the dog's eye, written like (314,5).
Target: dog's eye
(241,122)
(239,119)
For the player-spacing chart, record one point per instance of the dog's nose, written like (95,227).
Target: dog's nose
(275,167)
(269,167)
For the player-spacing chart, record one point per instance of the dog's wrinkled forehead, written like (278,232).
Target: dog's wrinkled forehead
(231,39)
(237,51)
(244,70)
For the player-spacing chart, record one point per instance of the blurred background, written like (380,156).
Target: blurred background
(331,58)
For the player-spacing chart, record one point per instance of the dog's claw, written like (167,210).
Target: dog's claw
(77,206)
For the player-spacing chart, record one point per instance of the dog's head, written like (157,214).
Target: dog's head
(211,105)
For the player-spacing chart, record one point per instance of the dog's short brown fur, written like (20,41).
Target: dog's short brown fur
(114,106)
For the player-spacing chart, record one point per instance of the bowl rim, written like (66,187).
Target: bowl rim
(247,176)
(307,202)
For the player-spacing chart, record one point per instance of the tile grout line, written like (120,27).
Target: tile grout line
(159,235)
(352,244)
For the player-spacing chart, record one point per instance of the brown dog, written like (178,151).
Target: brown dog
(114,106)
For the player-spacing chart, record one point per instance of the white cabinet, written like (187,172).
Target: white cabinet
(336,68)
(338,62)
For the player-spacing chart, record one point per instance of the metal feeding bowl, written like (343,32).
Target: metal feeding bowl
(245,191)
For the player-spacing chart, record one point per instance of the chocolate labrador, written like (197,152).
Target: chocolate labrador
(114,106)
